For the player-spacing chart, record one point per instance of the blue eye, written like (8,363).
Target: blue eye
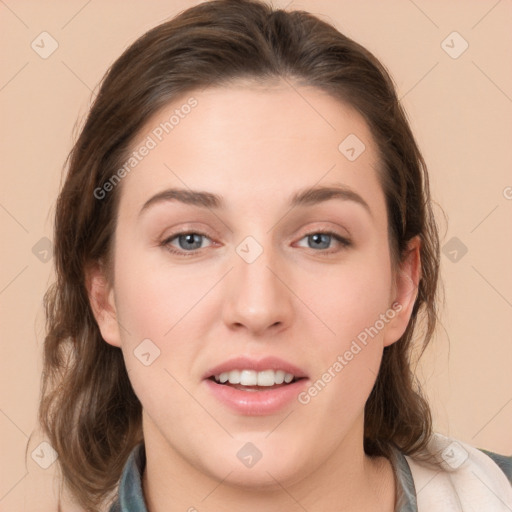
(187,242)
(319,240)
(322,240)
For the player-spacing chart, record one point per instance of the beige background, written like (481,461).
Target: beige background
(460,110)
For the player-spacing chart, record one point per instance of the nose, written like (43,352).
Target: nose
(258,298)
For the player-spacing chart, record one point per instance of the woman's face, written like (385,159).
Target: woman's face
(252,284)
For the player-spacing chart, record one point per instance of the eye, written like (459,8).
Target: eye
(189,242)
(183,243)
(322,240)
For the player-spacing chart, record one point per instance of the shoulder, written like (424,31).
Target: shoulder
(504,462)
(459,476)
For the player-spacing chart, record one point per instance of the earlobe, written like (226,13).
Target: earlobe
(405,291)
(101,299)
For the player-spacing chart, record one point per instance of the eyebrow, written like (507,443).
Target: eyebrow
(307,197)
(317,195)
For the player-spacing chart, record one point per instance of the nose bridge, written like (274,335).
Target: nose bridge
(258,299)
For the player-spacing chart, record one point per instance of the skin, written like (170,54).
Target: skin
(255,145)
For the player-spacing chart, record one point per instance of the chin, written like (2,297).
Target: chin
(262,477)
(258,464)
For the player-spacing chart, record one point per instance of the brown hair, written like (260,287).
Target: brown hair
(88,408)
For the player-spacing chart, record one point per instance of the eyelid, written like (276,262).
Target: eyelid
(167,240)
(164,241)
(186,229)
(328,228)
(175,234)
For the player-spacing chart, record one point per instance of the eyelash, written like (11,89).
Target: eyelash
(344,242)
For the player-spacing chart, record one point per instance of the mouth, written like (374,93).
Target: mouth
(255,388)
(251,380)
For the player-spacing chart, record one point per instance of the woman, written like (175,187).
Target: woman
(244,245)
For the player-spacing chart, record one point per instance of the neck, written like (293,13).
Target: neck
(348,481)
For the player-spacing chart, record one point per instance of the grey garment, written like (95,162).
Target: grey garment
(129,496)
(131,499)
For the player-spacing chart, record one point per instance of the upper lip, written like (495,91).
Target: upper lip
(259,365)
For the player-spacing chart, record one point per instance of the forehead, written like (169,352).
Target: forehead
(250,113)
(253,140)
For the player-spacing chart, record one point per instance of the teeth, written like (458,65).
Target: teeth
(279,377)
(266,378)
(247,378)
(234,377)
(254,378)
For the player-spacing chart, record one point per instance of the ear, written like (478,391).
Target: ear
(101,299)
(405,291)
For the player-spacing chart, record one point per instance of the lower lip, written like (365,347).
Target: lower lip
(256,403)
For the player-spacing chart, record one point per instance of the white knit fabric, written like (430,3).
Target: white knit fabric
(460,478)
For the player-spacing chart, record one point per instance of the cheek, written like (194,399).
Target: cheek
(155,306)
(153,298)
(351,302)
(351,298)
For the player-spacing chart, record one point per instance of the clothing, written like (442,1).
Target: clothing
(458,478)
